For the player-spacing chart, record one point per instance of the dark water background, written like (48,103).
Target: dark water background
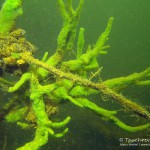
(129,53)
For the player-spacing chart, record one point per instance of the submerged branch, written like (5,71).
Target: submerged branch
(123,101)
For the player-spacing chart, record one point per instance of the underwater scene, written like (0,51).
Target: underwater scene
(74,74)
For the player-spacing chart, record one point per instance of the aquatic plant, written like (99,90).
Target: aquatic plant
(53,79)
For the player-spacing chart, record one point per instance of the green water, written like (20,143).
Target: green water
(129,53)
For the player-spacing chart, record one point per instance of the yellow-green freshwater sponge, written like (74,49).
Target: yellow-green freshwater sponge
(10,10)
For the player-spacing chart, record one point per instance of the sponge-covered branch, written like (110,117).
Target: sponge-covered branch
(85,59)
(110,116)
(124,102)
(66,37)
(11,9)
(120,83)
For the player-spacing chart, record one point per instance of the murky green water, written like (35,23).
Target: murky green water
(129,52)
